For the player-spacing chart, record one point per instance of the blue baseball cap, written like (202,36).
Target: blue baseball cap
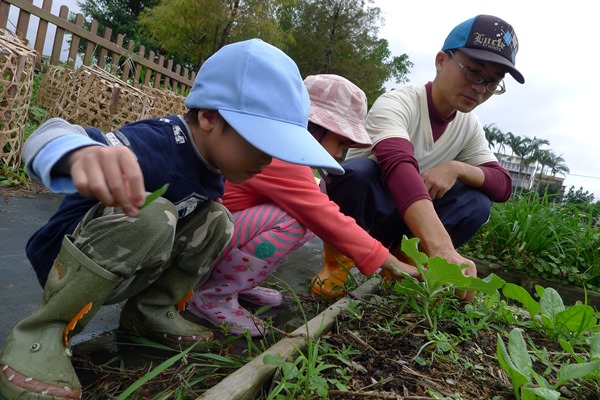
(258,90)
(487,38)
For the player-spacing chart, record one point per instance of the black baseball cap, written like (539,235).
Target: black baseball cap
(487,38)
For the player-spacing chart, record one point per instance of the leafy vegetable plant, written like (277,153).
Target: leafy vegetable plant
(551,315)
(440,279)
(529,385)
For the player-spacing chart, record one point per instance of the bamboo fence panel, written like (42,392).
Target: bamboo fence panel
(17,65)
(98,99)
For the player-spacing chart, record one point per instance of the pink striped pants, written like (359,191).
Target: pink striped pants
(267,232)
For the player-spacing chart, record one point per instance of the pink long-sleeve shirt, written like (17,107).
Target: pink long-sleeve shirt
(293,188)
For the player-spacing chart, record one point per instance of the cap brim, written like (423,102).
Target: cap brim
(485,55)
(282,140)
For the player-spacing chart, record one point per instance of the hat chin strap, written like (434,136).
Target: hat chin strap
(324,175)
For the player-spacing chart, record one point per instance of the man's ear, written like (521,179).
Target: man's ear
(440,58)
(208,119)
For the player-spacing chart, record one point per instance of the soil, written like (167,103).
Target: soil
(403,365)
(392,359)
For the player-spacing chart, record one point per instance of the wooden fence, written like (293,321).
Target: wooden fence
(159,73)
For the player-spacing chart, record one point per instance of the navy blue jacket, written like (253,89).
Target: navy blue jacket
(164,149)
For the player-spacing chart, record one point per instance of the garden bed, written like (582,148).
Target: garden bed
(379,348)
(569,293)
(410,340)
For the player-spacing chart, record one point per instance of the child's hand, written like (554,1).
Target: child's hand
(393,269)
(111,174)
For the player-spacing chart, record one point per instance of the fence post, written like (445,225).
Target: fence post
(138,66)
(75,39)
(176,83)
(167,80)
(4,11)
(151,57)
(126,66)
(89,50)
(58,37)
(158,75)
(40,38)
(103,50)
(23,22)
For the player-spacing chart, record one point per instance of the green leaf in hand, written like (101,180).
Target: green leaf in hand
(155,195)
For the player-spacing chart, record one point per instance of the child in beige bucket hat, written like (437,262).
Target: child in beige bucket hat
(339,106)
(279,210)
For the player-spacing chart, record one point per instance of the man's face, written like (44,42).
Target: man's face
(465,82)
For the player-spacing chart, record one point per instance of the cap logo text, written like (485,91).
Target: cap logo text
(495,44)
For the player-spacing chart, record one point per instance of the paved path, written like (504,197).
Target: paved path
(22,213)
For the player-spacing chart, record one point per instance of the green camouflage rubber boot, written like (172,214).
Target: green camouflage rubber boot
(35,362)
(154,312)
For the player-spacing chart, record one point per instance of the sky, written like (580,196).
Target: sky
(556,55)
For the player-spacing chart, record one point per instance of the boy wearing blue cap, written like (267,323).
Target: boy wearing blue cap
(247,105)
(430,172)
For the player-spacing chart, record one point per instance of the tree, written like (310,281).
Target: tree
(558,166)
(578,196)
(551,189)
(528,150)
(495,137)
(518,146)
(341,37)
(196,29)
(514,142)
(119,15)
(534,153)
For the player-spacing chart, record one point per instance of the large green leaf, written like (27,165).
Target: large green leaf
(575,320)
(518,352)
(516,292)
(551,303)
(517,377)
(440,271)
(569,372)
(533,393)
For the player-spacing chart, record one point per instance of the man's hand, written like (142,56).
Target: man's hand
(440,179)
(453,257)
(111,174)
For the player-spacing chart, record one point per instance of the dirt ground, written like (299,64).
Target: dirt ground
(401,364)
(397,363)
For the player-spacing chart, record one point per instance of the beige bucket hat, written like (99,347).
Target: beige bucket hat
(339,106)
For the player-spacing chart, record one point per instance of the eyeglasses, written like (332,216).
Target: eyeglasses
(475,77)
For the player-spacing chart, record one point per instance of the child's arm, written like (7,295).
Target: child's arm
(47,145)
(111,174)
(67,160)
(393,268)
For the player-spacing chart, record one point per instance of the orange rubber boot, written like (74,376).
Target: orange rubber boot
(330,282)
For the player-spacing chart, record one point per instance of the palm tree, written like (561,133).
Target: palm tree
(513,141)
(559,166)
(556,164)
(519,147)
(495,137)
(534,152)
(543,157)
